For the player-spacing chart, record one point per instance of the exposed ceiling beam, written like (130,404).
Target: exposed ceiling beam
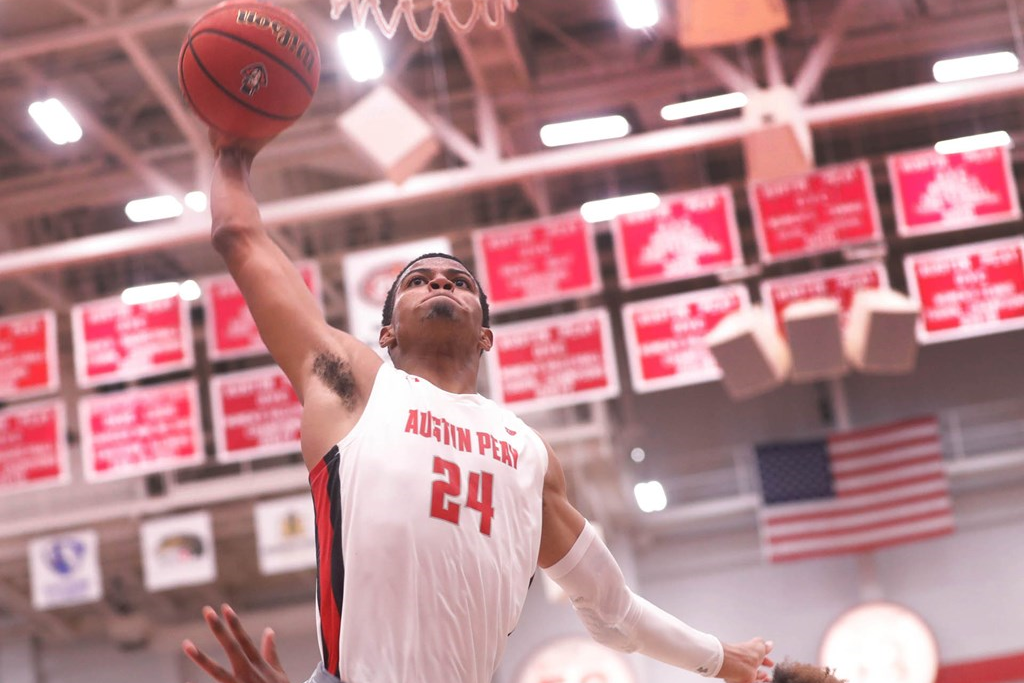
(813,69)
(725,71)
(439,184)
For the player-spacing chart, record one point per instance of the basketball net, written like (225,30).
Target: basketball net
(491,12)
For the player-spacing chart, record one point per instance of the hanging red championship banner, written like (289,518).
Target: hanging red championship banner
(255,414)
(835,283)
(140,431)
(230,329)
(688,235)
(29,363)
(537,262)
(117,342)
(936,192)
(829,209)
(665,336)
(33,446)
(968,291)
(554,361)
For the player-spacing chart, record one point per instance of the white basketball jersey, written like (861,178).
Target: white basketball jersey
(428,530)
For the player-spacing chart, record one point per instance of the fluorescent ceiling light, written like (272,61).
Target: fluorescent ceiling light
(971,143)
(189,290)
(975,66)
(153,209)
(196,201)
(56,121)
(360,55)
(145,294)
(706,105)
(638,13)
(607,209)
(650,496)
(584,130)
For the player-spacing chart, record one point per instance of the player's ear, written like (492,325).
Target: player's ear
(387,337)
(486,339)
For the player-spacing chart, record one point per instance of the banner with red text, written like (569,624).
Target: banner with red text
(555,361)
(230,329)
(834,283)
(29,364)
(140,431)
(369,275)
(116,342)
(255,414)
(33,446)
(665,336)
(688,235)
(829,209)
(935,192)
(537,262)
(968,291)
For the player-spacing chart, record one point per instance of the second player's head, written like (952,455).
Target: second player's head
(796,672)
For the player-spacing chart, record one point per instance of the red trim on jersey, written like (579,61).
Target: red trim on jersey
(323,483)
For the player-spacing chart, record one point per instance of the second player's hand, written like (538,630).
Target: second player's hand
(248,664)
(744,661)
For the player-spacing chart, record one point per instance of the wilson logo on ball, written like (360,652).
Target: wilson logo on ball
(254,77)
(285,36)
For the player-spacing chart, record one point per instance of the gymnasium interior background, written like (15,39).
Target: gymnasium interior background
(852,79)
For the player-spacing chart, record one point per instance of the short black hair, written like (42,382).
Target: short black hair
(798,672)
(389,302)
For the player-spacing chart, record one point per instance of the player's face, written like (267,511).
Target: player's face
(437,290)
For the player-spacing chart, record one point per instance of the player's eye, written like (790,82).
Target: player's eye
(462,282)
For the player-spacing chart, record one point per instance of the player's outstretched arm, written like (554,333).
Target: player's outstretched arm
(575,557)
(287,316)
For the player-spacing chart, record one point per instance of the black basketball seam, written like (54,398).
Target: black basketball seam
(259,48)
(231,94)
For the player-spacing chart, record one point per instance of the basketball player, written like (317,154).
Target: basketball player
(434,506)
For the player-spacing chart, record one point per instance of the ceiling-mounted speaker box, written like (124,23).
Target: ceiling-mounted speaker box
(815,341)
(708,23)
(390,134)
(751,353)
(781,144)
(880,335)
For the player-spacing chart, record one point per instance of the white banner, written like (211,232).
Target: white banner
(65,569)
(368,277)
(285,534)
(178,551)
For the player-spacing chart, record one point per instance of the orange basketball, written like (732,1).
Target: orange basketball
(249,68)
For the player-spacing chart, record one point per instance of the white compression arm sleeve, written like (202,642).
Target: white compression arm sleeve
(622,620)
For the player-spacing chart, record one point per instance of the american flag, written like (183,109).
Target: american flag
(854,492)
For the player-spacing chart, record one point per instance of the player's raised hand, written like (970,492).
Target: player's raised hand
(744,661)
(222,141)
(248,664)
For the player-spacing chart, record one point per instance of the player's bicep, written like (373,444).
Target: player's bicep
(562,523)
(287,316)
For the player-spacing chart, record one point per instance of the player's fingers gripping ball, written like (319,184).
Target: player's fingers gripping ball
(249,68)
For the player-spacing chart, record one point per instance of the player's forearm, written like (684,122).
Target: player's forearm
(618,618)
(233,207)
